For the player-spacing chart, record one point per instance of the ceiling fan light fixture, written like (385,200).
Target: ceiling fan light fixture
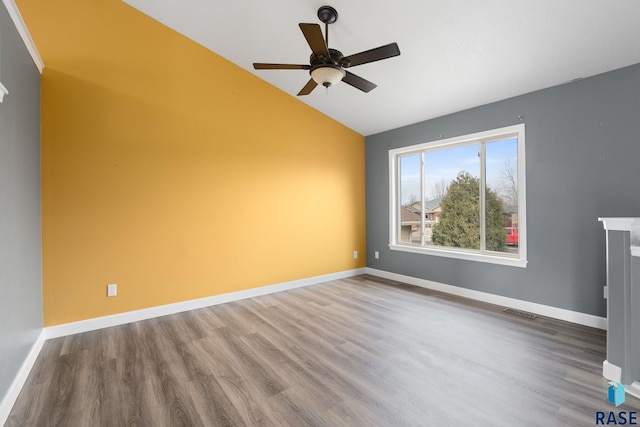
(327,75)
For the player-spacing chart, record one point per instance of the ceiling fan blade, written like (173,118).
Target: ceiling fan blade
(313,34)
(306,90)
(382,52)
(358,82)
(260,66)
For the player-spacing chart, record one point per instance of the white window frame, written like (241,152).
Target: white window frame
(467,254)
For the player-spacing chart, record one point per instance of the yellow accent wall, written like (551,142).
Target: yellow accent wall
(177,175)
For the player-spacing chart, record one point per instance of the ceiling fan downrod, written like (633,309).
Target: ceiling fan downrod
(328,15)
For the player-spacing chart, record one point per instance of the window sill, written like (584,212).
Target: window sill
(3,92)
(469,256)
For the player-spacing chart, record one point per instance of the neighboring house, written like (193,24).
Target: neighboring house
(432,210)
(409,222)
(415,207)
(510,216)
(410,219)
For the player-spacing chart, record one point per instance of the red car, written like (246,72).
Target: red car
(512,236)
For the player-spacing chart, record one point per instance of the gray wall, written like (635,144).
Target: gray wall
(20,230)
(583,162)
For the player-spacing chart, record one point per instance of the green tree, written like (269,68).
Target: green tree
(459,223)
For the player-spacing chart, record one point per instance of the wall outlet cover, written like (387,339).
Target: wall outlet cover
(112,290)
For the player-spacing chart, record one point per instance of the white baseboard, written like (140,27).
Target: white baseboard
(611,371)
(532,307)
(633,389)
(21,377)
(163,310)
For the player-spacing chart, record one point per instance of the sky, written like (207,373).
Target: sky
(446,163)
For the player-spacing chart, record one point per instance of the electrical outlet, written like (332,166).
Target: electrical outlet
(355,254)
(376,255)
(112,290)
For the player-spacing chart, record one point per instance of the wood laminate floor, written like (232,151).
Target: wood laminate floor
(353,352)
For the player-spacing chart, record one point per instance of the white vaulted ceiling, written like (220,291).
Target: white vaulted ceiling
(455,54)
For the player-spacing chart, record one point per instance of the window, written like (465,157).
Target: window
(463,197)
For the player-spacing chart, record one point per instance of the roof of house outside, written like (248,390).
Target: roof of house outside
(407,215)
(430,205)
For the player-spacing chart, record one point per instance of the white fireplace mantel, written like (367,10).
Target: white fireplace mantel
(620,224)
(623,302)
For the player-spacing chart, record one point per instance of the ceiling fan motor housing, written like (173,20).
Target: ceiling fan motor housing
(335,58)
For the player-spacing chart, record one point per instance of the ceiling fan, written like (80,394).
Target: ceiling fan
(327,66)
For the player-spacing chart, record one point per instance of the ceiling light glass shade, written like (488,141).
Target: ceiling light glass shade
(327,75)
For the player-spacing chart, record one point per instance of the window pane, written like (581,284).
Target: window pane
(410,199)
(502,195)
(452,183)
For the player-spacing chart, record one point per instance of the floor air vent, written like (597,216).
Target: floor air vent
(520,313)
